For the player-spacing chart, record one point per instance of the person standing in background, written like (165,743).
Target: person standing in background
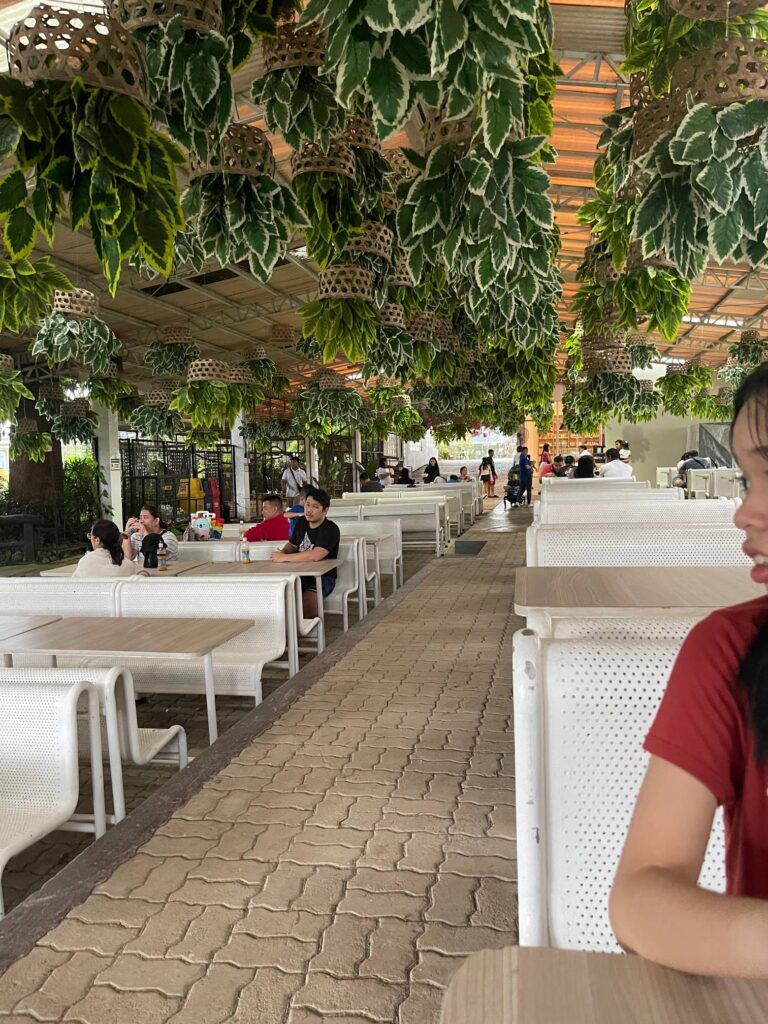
(293,478)
(383,473)
(525,467)
(545,459)
(494,477)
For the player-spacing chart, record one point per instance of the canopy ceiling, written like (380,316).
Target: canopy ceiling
(229,312)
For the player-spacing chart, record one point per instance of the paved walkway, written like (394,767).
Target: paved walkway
(343,864)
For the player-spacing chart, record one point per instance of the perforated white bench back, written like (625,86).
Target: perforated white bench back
(209,550)
(389,529)
(599,544)
(558,482)
(582,710)
(580,495)
(659,513)
(57,595)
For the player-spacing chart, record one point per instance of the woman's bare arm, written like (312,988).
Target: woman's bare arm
(656,906)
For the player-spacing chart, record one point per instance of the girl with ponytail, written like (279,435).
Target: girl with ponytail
(709,748)
(106,557)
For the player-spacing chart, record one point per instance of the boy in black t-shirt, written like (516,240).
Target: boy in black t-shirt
(315,538)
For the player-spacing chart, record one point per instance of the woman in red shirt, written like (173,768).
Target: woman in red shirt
(709,747)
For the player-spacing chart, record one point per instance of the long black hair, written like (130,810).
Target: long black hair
(753,672)
(110,538)
(585,468)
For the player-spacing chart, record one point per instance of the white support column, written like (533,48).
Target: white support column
(313,462)
(242,509)
(357,459)
(108,440)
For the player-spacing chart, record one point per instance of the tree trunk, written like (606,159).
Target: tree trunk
(37,482)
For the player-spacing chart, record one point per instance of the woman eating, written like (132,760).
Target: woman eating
(146,534)
(709,748)
(106,557)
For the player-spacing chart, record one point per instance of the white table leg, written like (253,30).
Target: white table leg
(210,697)
(97,765)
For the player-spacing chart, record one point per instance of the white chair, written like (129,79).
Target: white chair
(582,709)
(600,544)
(39,764)
(341,511)
(347,583)
(122,739)
(726,483)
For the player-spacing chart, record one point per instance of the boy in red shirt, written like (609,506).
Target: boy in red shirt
(274,525)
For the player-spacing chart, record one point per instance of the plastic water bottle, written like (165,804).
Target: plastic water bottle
(162,558)
(245,552)
(242,530)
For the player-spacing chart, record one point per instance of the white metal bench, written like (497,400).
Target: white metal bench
(582,709)
(659,514)
(348,584)
(601,544)
(422,525)
(209,550)
(390,549)
(39,762)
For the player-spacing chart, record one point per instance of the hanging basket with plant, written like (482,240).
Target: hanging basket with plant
(26,291)
(373,171)
(75,422)
(50,395)
(343,316)
(208,398)
(75,118)
(12,388)
(156,420)
(298,102)
(169,359)
(750,350)
(29,442)
(187,60)
(326,189)
(237,208)
(73,331)
(683,387)
(326,406)
(108,390)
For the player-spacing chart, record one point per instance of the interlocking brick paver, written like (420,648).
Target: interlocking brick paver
(342,866)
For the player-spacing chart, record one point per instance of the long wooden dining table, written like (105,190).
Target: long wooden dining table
(526,985)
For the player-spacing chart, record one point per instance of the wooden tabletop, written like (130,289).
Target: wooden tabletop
(13,625)
(190,638)
(268,568)
(552,986)
(173,569)
(576,590)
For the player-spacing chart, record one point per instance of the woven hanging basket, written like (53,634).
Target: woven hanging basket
(714,10)
(27,426)
(345,281)
(724,398)
(439,131)
(109,374)
(244,150)
(730,71)
(463,376)
(208,370)
(240,373)
(390,202)
(311,159)
(158,396)
(674,368)
(79,304)
(51,391)
(328,380)
(259,352)
(750,337)
(54,44)
(639,91)
(391,315)
(422,327)
(376,239)
(647,386)
(605,272)
(401,278)
(7,364)
(204,16)
(607,361)
(649,124)
(445,335)
(359,132)
(177,335)
(400,164)
(387,382)
(294,48)
(280,334)
(609,340)
(402,401)
(75,409)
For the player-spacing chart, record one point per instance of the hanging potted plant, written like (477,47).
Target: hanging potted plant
(75,422)
(343,316)
(750,350)
(171,356)
(12,388)
(326,406)
(50,395)
(26,290)
(326,190)
(298,102)
(105,388)
(646,408)
(249,20)
(72,330)
(208,399)
(683,386)
(187,59)
(237,208)
(154,418)
(263,370)
(78,126)
(29,442)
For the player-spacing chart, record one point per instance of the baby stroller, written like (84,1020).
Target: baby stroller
(513,491)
